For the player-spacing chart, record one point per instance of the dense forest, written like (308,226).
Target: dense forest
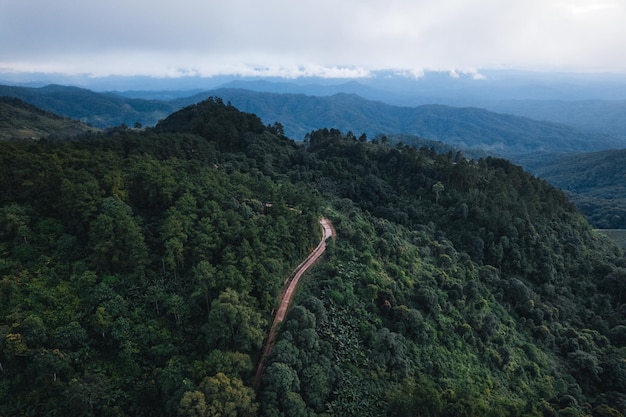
(139,271)
(596,182)
(20,120)
(100,110)
(504,135)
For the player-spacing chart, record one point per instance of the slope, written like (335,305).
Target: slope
(500,134)
(97,109)
(605,116)
(139,271)
(139,262)
(19,120)
(595,181)
(289,291)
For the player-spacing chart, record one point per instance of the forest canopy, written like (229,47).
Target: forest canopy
(139,271)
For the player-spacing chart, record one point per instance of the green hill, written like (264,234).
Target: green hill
(139,271)
(596,182)
(618,235)
(19,120)
(505,135)
(97,109)
(473,128)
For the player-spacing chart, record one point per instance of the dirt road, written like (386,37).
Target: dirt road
(288,293)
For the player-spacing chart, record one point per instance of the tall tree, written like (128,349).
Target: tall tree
(234,323)
(116,240)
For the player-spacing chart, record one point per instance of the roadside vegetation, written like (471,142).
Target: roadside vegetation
(139,271)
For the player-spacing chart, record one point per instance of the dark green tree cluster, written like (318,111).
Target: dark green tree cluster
(460,287)
(139,271)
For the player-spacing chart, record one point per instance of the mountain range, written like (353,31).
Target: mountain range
(141,268)
(468,127)
(97,109)
(540,146)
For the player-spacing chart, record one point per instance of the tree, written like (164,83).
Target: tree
(69,335)
(279,380)
(415,398)
(116,240)
(176,228)
(193,404)
(228,397)
(176,305)
(51,365)
(80,197)
(390,351)
(438,188)
(294,406)
(218,396)
(285,352)
(204,276)
(15,223)
(316,386)
(277,128)
(89,394)
(234,324)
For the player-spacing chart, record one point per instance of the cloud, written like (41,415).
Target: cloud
(295,38)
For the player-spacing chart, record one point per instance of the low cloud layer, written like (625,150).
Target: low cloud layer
(322,37)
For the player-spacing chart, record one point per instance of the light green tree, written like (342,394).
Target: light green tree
(218,396)
(438,188)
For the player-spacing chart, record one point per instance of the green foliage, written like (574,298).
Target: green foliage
(594,181)
(139,271)
(22,121)
(102,110)
(233,323)
(116,240)
(218,396)
(117,251)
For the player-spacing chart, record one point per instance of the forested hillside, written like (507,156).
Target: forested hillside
(596,182)
(497,134)
(606,116)
(96,109)
(19,120)
(466,127)
(139,271)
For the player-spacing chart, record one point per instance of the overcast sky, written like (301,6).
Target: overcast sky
(305,37)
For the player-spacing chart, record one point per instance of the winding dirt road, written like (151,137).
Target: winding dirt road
(288,293)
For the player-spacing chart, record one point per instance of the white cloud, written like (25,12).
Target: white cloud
(322,37)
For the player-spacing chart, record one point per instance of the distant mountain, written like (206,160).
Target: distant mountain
(596,182)
(314,89)
(585,172)
(600,116)
(500,134)
(20,120)
(160,95)
(590,102)
(96,109)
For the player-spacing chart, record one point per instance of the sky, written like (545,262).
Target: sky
(326,38)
